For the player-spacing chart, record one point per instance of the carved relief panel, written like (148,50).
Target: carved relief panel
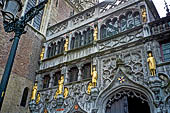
(133,60)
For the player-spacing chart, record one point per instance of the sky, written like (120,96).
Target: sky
(159,6)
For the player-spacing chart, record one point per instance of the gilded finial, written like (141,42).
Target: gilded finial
(60,87)
(34,91)
(38,98)
(89,88)
(95,33)
(144,14)
(152,64)
(66,92)
(66,44)
(42,53)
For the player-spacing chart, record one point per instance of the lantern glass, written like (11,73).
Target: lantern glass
(11,9)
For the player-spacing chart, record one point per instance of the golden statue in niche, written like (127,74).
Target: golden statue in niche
(152,64)
(38,98)
(66,45)
(60,87)
(94,77)
(89,88)
(95,33)
(66,92)
(144,15)
(42,53)
(34,91)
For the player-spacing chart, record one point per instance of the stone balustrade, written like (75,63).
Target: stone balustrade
(86,17)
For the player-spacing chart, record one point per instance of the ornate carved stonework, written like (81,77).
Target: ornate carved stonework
(125,39)
(111,5)
(133,62)
(80,5)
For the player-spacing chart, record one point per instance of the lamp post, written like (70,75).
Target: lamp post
(13,24)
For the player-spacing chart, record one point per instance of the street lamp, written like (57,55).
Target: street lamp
(10,10)
(13,24)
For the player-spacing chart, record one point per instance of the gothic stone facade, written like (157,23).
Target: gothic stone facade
(127,30)
(27,57)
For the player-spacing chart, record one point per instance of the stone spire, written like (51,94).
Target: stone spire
(167,9)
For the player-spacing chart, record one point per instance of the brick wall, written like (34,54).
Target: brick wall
(24,67)
(60,11)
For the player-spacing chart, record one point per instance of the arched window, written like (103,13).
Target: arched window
(59,47)
(123,23)
(73,74)
(49,51)
(115,26)
(109,27)
(72,42)
(46,81)
(24,97)
(89,35)
(137,20)
(103,31)
(57,77)
(80,40)
(130,20)
(86,71)
(62,46)
(84,37)
(53,49)
(76,40)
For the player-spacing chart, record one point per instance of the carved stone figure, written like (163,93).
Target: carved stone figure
(66,45)
(34,91)
(60,87)
(66,91)
(152,64)
(42,53)
(95,34)
(144,15)
(94,77)
(38,98)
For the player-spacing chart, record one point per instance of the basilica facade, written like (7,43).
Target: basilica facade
(113,57)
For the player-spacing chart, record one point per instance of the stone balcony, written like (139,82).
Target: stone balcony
(88,16)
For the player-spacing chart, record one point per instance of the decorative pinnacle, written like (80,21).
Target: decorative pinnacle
(167,8)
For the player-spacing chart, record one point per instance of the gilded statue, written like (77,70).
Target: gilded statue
(66,45)
(152,64)
(144,15)
(95,33)
(42,53)
(60,87)
(34,91)
(89,88)
(66,92)
(94,77)
(38,98)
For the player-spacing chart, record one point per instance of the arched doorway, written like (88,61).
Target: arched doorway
(128,101)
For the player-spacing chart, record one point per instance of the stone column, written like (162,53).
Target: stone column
(51,79)
(64,71)
(46,49)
